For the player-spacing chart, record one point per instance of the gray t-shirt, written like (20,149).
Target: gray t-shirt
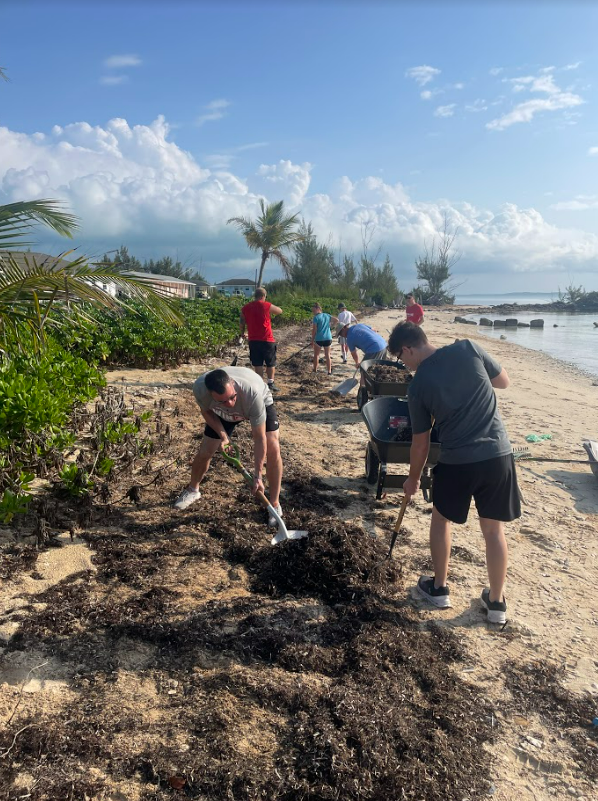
(451,389)
(252,397)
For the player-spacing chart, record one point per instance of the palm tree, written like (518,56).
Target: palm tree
(270,233)
(30,290)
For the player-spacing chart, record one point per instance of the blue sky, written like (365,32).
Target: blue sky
(156,122)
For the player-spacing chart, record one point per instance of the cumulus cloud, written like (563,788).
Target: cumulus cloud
(133,185)
(445,111)
(215,110)
(423,74)
(112,80)
(555,100)
(496,70)
(477,105)
(125,60)
(580,203)
(593,151)
(573,66)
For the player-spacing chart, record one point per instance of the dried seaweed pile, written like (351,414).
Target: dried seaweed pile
(386,373)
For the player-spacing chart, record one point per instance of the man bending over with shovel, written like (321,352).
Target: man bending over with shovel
(227,397)
(453,389)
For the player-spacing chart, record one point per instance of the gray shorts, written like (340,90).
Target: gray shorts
(381,354)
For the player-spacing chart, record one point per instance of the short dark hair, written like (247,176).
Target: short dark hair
(410,295)
(259,293)
(406,335)
(217,381)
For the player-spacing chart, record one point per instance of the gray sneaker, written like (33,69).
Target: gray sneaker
(497,610)
(272,521)
(438,596)
(186,498)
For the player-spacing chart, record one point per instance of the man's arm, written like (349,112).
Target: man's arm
(259,455)
(216,423)
(313,332)
(275,310)
(501,381)
(242,325)
(418,456)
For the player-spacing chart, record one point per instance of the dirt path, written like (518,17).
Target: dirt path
(178,646)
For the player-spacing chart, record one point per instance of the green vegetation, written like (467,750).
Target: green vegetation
(578,298)
(434,268)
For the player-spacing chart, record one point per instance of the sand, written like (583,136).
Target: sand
(552,599)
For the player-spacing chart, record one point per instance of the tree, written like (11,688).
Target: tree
(271,233)
(313,265)
(29,291)
(378,283)
(434,267)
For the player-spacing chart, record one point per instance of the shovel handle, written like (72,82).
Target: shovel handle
(397,528)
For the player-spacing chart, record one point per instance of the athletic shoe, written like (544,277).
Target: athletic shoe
(344,361)
(497,610)
(439,596)
(186,498)
(272,521)
(272,386)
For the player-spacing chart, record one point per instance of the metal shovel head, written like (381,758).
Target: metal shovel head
(283,533)
(344,387)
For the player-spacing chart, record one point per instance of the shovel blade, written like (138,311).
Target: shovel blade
(344,387)
(281,536)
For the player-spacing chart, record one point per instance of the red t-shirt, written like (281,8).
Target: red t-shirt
(415,313)
(257,317)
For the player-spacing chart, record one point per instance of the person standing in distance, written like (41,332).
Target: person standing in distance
(321,336)
(453,388)
(257,316)
(348,318)
(414,312)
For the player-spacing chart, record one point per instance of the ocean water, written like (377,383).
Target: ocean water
(574,339)
(508,297)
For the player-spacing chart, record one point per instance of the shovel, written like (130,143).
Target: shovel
(231,454)
(345,386)
(236,356)
(397,528)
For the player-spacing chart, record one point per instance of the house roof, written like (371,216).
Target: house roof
(237,282)
(22,258)
(166,279)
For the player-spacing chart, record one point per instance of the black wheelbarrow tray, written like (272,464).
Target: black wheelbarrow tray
(383,449)
(376,389)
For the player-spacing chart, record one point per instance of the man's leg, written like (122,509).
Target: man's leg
(328,359)
(259,370)
(273,466)
(270,373)
(440,547)
(496,556)
(202,460)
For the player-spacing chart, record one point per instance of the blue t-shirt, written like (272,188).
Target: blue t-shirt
(361,336)
(322,323)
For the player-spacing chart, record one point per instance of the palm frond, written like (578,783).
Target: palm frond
(17,219)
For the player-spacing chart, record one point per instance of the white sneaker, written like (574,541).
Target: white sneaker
(186,498)
(272,521)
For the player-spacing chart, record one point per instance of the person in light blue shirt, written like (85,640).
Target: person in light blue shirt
(321,336)
(366,339)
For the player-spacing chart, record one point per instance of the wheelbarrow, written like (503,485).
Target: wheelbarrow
(385,417)
(373,388)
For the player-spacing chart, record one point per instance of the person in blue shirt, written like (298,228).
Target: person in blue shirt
(321,336)
(366,339)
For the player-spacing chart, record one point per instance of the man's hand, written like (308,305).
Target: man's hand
(258,485)
(224,441)
(410,487)
(240,340)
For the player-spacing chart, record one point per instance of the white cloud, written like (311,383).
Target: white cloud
(496,70)
(593,151)
(580,203)
(215,110)
(426,94)
(555,100)
(477,105)
(113,80)
(573,66)
(133,185)
(445,111)
(423,74)
(118,62)
(458,86)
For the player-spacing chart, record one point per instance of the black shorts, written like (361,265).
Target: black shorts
(262,353)
(324,343)
(271,424)
(492,484)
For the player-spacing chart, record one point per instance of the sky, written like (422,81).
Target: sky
(155,122)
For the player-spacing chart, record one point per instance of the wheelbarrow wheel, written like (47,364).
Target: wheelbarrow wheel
(362,397)
(372,465)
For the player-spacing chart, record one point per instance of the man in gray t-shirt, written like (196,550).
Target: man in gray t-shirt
(453,390)
(226,397)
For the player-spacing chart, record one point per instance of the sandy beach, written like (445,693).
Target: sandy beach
(552,599)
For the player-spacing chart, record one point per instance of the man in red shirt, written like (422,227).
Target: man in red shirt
(257,315)
(414,312)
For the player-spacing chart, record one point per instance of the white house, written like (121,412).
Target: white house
(166,283)
(237,286)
